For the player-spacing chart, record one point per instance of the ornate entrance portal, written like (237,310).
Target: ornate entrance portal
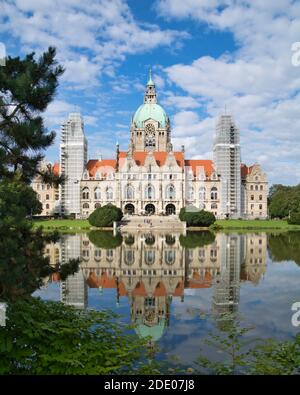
(129,209)
(150,209)
(170,209)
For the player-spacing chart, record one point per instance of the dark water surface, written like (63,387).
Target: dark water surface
(175,289)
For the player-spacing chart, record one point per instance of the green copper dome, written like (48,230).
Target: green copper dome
(150,110)
(154,332)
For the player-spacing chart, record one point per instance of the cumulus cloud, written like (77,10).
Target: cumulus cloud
(103,32)
(257,82)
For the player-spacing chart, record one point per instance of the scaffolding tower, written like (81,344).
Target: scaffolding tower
(227,159)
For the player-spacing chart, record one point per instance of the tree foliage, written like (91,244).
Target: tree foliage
(284,246)
(27,86)
(105,216)
(51,338)
(284,200)
(195,217)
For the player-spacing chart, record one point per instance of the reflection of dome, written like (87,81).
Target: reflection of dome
(154,332)
(150,110)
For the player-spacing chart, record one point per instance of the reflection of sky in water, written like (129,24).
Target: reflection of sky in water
(266,305)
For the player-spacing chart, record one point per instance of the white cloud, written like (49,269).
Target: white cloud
(257,82)
(103,32)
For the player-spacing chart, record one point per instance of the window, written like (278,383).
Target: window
(214,206)
(190,193)
(56,197)
(260,206)
(129,192)
(47,197)
(252,197)
(97,205)
(261,187)
(97,193)
(85,193)
(214,193)
(47,206)
(86,205)
(109,194)
(202,193)
(251,187)
(260,197)
(149,192)
(48,186)
(170,256)
(256,187)
(170,192)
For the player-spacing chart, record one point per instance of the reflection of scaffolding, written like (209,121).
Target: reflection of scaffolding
(73,290)
(227,159)
(227,284)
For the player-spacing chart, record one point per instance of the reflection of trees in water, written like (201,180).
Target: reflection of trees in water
(284,246)
(104,239)
(196,239)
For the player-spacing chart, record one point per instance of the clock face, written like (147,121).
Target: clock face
(150,129)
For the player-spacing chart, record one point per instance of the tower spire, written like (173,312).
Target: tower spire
(150,93)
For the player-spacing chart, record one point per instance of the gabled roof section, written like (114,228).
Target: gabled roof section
(195,164)
(104,165)
(159,156)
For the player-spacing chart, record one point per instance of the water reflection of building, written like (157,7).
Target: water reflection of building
(73,290)
(152,269)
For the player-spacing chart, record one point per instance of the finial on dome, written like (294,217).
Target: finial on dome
(150,81)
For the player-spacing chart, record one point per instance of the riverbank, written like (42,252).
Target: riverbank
(82,225)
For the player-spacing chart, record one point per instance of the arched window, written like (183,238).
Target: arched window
(256,187)
(170,192)
(47,206)
(129,192)
(97,205)
(170,256)
(214,193)
(109,194)
(129,257)
(97,193)
(109,255)
(260,197)
(149,192)
(251,187)
(47,197)
(85,193)
(202,193)
(214,206)
(86,205)
(149,257)
(190,193)
(261,187)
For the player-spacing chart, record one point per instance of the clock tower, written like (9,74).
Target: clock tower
(150,126)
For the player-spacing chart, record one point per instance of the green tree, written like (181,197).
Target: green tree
(50,338)
(284,200)
(195,217)
(105,216)
(26,88)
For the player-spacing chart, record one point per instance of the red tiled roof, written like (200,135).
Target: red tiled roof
(159,156)
(106,165)
(104,281)
(56,169)
(245,170)
(195,164)
(179,290)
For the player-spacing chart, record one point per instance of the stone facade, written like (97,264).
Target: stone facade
(151,178)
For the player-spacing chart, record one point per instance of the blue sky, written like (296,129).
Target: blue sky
(205,54)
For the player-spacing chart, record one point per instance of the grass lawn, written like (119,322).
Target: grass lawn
(256,224)
(63,224)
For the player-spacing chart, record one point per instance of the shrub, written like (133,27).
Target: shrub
(294,219)
(195,217)
(105,216)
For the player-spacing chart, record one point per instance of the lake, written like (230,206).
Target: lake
(177,290)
